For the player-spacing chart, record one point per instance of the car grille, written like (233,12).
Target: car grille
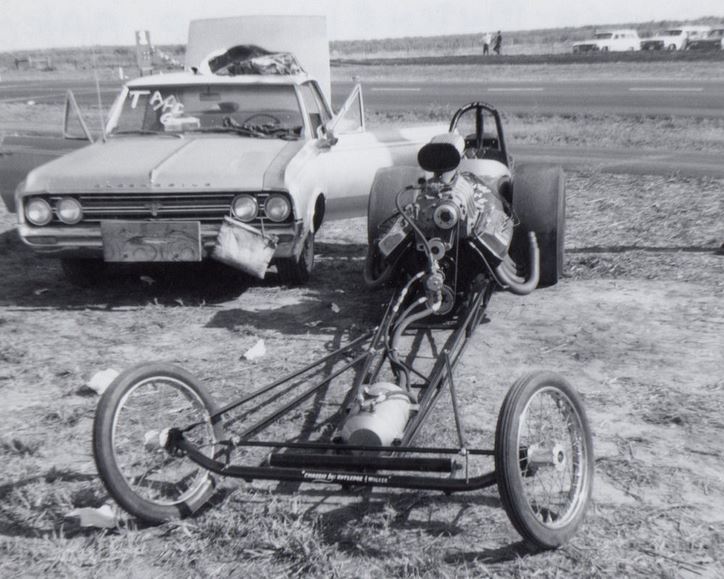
(207,207)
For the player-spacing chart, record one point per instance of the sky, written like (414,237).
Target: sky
(27,24)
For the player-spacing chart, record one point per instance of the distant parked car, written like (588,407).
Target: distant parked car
(610,41)
(713,41)
(675,38)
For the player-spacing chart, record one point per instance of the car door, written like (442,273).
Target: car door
(350,158)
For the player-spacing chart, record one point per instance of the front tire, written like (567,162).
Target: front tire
(132,417)
(544,459)
(298,271)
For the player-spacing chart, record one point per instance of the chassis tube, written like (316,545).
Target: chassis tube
(448,485)
(460,340)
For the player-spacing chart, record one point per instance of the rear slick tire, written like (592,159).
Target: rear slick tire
(145,479)
(388,182)
(533,448)
(539,201)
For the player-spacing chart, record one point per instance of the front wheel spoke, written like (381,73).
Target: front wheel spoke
(152,473)
(547,422)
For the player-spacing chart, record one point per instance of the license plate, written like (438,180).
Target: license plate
(141,241)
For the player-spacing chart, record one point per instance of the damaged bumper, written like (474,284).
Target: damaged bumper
(86,241)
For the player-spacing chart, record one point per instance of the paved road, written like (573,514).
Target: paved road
(701,98)
(665,97)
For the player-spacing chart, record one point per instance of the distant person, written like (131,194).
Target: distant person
(487,40)
(497,42)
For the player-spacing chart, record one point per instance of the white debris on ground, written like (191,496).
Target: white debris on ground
(335,308)
(104,517)
(101,380)
(256,351)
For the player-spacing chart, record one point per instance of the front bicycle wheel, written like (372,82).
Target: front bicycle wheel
(544,459)
(131,424)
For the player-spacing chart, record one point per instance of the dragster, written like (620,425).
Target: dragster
(446,235)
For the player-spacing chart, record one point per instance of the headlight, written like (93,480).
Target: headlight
(277,208)
(445,216)
(245,207)
(69,210)
(38,212)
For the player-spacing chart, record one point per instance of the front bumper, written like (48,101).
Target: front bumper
(86,241)
(705,45)
(586,48)
(652,45)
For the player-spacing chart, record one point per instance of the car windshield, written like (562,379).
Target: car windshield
(603,35)
(270,111)
(671,33)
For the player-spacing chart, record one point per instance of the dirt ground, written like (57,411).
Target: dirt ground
(637,325)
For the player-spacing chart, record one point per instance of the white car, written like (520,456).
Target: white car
(675,38)
(240,158)
(610,41)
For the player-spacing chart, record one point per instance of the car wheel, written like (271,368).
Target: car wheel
(671,47)
(130,437)
(381,204)
(539,202)
(298,271)
(83,272)
(544,459)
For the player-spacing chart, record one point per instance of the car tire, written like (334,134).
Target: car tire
(115,438)
(539,202)
(671,47)
(297,271)
(515,439)
(84,272)
(381,204)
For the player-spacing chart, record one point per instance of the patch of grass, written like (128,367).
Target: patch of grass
(666,406)
(583,130)
(20,448)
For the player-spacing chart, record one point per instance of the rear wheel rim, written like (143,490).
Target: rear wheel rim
(140,421)
(553,455)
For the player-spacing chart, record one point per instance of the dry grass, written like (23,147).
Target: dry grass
(657,432)
(650,132)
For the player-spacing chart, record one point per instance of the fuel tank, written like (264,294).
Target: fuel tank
(379,418)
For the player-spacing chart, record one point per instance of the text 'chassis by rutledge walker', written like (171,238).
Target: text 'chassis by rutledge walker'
(446,234)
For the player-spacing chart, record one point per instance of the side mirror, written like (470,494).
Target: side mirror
(74,126)
(325,134)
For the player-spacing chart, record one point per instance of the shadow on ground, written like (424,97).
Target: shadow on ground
(32,281)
